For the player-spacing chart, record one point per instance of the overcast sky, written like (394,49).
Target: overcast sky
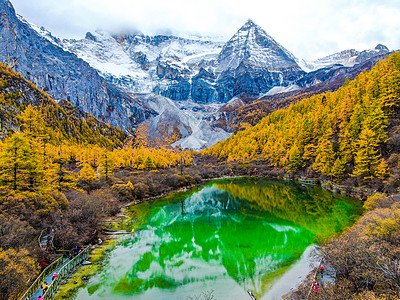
(309,29)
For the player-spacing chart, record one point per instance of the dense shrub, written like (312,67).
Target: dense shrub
(367,255)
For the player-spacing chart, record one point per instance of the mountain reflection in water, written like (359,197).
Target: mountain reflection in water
(229,236)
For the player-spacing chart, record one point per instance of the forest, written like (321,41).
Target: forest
(62,169)
(350,135)
(57,171)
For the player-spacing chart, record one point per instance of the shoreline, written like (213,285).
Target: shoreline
(294,274)
(110,241)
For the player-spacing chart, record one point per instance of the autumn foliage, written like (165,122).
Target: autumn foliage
(364,257)
(336,135)
(57,170)
(60,168)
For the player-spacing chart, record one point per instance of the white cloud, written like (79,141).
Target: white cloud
(308,28)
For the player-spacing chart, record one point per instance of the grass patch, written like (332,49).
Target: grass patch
(80,278)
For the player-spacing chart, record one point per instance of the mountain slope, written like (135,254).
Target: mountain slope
(62,74)
(346,58)
(352,132)
(63,122)
(250,112)
(182,122)
(143,64)
(188,68)
(252,62)
(100,74)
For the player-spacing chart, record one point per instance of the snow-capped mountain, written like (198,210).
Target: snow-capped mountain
(35,55)
(141,63)
(176,84)
(197,72)
(252,63)
(198,69)
(252,45)
(346,58)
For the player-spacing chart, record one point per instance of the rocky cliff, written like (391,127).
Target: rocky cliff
(125,79)
(63,75)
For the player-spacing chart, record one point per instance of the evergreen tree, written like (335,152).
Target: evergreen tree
(338,168)
(32,122)
(382,169)
(148,164)
(19,166)
(294,162)
(62,178)
(377,121)
(346,146)
(325,158)
(87,176)
(367,155)
(106,165)
(139,162)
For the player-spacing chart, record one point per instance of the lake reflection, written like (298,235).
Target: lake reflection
(229,236)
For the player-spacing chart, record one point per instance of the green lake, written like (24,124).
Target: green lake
(225,238)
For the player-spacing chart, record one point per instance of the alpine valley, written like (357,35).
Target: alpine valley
(190,90)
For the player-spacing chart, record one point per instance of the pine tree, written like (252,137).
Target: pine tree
(338,168)
(87,177)
(106,165)
(141,136)
(62,178)
(36,172)
(367,155)
(377,121)
(148,164)
(346,146)
(294,162)
(19,166)
(139,162)
(382,169)
(325,157)
(32,122)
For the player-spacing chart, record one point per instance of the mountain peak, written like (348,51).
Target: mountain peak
(250,23)
(382,48)
(252,45)
(90,36)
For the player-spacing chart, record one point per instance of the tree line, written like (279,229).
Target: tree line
(352,132)
(57,168)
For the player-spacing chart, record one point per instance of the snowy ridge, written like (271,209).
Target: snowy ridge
(186,80)
(253,45)
(133,61)
(41,31)
(346,58)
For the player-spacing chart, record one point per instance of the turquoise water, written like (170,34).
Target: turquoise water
(222,239)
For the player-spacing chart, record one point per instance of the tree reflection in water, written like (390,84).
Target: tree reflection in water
(231,235)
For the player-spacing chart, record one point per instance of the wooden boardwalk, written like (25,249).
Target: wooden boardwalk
(63,267)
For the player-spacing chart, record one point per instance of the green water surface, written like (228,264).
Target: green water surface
(228,236)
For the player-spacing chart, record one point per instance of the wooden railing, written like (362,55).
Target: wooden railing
(62,274)
(346,189)
(65,271)
(46,272)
